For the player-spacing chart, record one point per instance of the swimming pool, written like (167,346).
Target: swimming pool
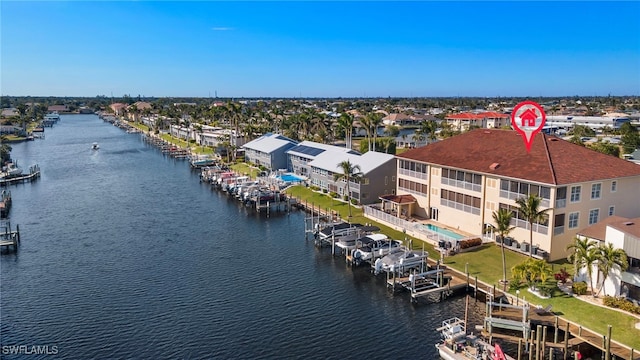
(442,231)
(288,177)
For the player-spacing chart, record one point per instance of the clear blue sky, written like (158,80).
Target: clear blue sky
(320,49)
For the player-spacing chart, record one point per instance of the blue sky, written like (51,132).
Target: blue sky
(320,49)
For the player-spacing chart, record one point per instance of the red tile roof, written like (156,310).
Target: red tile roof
(479,116)
(551,160)
(399,199)
(492,114)
(465,116)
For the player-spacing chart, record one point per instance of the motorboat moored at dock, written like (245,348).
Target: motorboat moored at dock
(457,344)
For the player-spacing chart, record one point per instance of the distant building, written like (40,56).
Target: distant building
(594,122)
(487,119)
(118,108)
(58,108)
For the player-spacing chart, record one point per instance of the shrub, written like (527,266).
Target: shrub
(620,303)
(314,188)
(465,244)
(325,191)
(514,285)
(580,288)
(547,288)
(354,202)
(333,194)
(345,198)
(562,276)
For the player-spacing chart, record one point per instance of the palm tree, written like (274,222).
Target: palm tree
(345,123)
(528,207)
(608,258)
(375,121)
(502,218)
(365,121)
(583,253)
(350,173)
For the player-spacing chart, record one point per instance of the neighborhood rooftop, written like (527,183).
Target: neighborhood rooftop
(367,162)
(268,142)
(503,153)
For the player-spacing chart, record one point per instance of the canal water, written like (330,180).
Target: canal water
(125,254)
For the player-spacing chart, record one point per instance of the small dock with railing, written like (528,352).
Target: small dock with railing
(34,174)
(9,238)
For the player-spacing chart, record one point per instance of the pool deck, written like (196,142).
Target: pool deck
(464,234)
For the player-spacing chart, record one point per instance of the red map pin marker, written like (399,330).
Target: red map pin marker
(528,118)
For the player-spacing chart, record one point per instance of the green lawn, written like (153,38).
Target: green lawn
(486,263)
(243,168)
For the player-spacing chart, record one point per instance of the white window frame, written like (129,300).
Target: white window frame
(614,186)
(577,215)
(599,191)
(578,193)
(612,210)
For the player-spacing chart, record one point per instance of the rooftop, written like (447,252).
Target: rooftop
(598,230)
(503,153)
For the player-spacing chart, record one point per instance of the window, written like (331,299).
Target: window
(593,216)
(595,191)
(612,210)
(614,186)
(575,193)
(573,220)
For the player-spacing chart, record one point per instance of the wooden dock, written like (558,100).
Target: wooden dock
(9,239)
(34,174)
(5,203)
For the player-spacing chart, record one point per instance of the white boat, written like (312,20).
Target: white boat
(95,146)
(374,245)
(11,170)
(52,117)
(400,260)
(457,344)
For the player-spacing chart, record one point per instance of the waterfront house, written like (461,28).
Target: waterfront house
(269,150)
(299,156)
(58,108)
(461,181)
(623,233)
(118,108)
(378,174)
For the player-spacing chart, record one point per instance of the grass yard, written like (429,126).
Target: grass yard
(243,168)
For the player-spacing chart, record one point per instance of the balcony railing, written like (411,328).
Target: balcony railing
(541,229)
(513,196)
(414,174)
(461,184)
(458,206)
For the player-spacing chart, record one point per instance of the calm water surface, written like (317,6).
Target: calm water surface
(125,254)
